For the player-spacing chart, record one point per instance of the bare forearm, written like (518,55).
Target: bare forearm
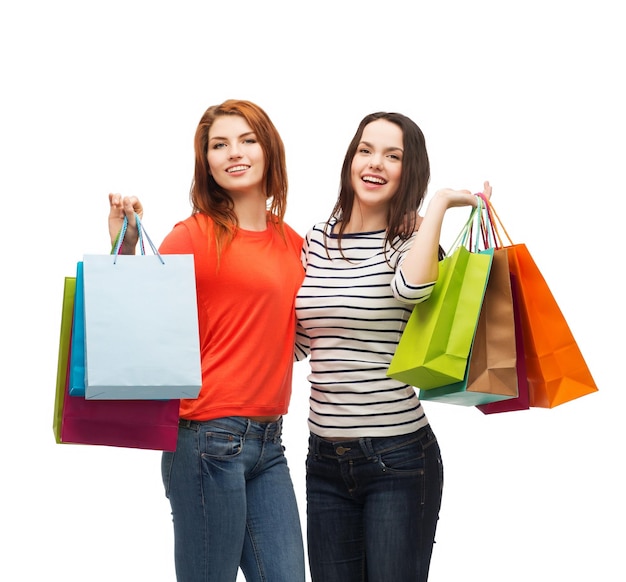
(127,248)
(421,264)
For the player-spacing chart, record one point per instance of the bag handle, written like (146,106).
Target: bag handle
(465,236)
(117,245)
(119,239)
(494,223)
(484,229)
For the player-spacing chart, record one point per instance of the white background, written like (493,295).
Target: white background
(102,97)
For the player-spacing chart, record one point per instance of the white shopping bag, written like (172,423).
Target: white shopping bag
(141,326)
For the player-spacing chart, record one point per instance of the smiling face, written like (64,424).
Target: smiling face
(235,157)
(377,164)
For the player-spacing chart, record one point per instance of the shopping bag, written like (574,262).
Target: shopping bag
(556,369)
(77,354)
(493,367)
(491,374)
(435,345)
(522,400)
(141,325)
(64,354)
(142,424)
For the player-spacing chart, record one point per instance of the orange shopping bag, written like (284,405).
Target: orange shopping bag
(555,367)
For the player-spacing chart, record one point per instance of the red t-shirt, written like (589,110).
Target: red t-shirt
(246,317)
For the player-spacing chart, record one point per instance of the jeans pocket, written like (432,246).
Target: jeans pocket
(219,445)
(409,459)
(311,463)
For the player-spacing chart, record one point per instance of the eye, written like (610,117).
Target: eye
(395,157)
(249,140)
(218,145)
(364,151)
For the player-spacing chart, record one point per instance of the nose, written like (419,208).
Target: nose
(234,152)
(375,162)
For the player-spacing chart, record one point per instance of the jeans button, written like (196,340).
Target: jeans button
(340,450)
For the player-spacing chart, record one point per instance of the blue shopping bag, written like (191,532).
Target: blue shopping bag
(77,354)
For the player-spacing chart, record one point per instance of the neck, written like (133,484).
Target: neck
(251,213)
(366,221)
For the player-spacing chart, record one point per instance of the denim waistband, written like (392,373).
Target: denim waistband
(367,447)
(239,425)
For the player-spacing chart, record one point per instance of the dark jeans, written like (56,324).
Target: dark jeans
(372,507)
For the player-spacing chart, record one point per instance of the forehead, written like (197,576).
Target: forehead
(383,132)
(229,126)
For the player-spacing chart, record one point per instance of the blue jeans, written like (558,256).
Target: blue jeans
(233,503)
(372,507)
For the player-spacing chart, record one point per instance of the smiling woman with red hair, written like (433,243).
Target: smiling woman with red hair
(232,499)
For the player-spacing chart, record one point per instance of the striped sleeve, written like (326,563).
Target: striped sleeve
(402,290)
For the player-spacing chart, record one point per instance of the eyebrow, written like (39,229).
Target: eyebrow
(391,149)
(225,138)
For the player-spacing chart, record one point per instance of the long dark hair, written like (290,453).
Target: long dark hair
(403,207)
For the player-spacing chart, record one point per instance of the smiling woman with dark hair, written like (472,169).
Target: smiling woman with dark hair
(374,470)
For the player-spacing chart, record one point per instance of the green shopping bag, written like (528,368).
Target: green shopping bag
(64,354)
(436,343)
(491,374)
(492,371)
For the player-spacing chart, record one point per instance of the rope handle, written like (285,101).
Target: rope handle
(495,223)
(490,235)
(119,239)
(466,237)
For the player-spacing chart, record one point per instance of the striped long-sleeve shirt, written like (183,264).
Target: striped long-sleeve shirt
(353,308)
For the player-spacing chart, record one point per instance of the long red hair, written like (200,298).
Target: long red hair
(207,197)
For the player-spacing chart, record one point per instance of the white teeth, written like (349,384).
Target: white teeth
(237,169)
(374,180)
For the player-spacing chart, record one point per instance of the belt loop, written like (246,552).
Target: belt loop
(367,448)
(316,444)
